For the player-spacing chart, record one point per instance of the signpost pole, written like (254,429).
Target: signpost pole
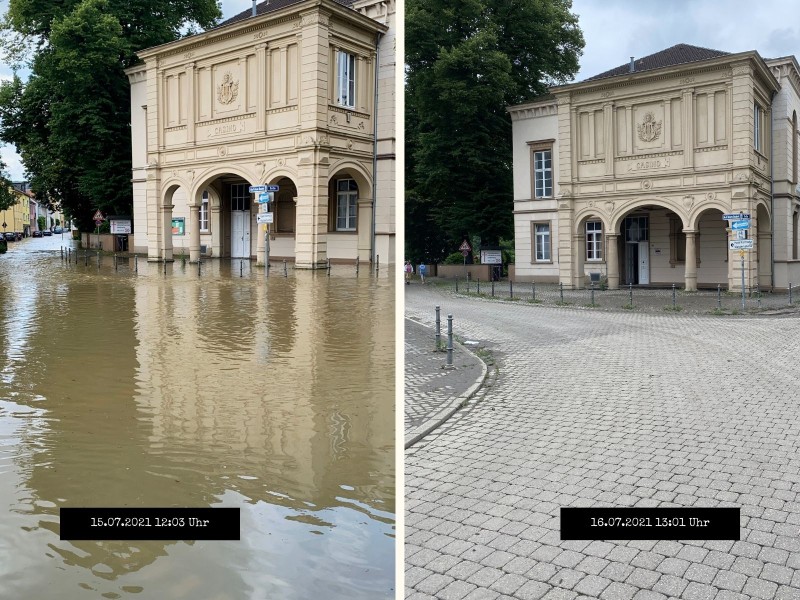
(741,253)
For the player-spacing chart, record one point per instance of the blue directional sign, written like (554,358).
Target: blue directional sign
(743,224)
(734,216)
(265,197)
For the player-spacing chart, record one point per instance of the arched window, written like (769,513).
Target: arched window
(204,213)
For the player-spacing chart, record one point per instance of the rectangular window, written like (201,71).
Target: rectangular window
(542,241)
(757,127)
(594,240)
(240,196)
(346,204)
(346,79)
(543,174)
(204,213)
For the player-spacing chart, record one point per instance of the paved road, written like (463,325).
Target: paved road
(612,409)
(432,392)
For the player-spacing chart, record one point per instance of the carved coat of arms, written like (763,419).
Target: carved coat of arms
(227,90)
(649,129)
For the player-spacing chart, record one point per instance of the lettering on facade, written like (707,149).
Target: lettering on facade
(227,90)
(606,94)
(649,129)
(189,55)
(687,80)
(227,129)
(644,165)
(259,35)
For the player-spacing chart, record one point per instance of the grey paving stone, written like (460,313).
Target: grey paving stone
(566,578)
(618,591)
(649,595)
(433,583)
(592,585)
(456,590)
(485,576)
(699,591)
(670,585)
(509,583)
(758,588)
(700,573)
(482,594)
(730,580)
(777,574)
(532,590)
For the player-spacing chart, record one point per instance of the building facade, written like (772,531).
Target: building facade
(17,218)
(299,96)
(627,175)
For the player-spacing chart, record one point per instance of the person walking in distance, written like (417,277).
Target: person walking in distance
(409,270)
(422,269)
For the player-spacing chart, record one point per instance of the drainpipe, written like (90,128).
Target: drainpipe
(772,200)
(375,149)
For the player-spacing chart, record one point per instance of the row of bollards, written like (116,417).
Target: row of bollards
(438,336)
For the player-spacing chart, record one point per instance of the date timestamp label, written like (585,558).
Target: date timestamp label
(149,523)
(608,523)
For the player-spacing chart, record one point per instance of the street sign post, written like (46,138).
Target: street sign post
(265,217)
(265,197)
(740,244)
(255,189)
(465,249)
(742,224)
(734,216)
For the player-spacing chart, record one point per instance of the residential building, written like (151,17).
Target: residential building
(299,96)
(628,174)
(17,218)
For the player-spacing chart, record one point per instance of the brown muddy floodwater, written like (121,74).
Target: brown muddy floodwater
(143,390)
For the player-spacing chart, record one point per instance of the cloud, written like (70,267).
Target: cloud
(14,167)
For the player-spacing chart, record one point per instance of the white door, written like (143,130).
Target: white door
(644,263)
(240,234)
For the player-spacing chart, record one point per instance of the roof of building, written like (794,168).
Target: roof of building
(679,54)
(269,6)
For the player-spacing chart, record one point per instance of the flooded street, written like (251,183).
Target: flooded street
(126,389)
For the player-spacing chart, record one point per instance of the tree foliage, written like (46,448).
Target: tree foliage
(7,197)
(70,121)
(466,61)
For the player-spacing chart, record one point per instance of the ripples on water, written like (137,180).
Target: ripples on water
(119,389)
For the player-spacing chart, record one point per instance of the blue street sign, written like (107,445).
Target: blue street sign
(734,216)
(255,189)
(743,224)
(272,188)
(264,197)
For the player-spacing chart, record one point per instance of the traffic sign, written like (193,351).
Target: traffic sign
(265,197)
(741,234)
(734,216)
(740,244)
(265,217)
(98,216)
(254,189)
(743,224)
(465,247)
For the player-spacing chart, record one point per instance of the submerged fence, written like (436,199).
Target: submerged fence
(629,297)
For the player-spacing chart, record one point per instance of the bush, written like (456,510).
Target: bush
(456,258)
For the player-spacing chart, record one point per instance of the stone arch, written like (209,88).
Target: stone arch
(697,211)
(357,172)
(347,239)
(208,176)
(639,203)
(763,250)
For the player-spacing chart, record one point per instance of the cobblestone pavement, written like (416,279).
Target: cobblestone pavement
(613,409)
(432,391)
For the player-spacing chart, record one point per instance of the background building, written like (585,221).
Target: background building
(629,173)
(300,96)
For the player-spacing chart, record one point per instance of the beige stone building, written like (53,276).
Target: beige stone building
(627,175)
(300,96)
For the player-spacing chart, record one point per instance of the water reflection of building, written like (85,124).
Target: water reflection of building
(300,96)
(293,398)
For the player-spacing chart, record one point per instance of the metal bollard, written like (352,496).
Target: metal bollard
(456,285)
(183,259)
(199,267)
(98,258)
(377,263)
(673,295)
(62,252)
(719,295)
(284,262)
(511,289)
(630,294)
(592,288)
(449,340)
(758,296)
(136,263)
(533,291)
(561,288)
(285,270)
(165,267)
(790,292)
(329,267)
(115,261)
(438,334)
(86,259)
(241,267)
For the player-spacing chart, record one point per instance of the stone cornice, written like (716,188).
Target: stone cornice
(532,110)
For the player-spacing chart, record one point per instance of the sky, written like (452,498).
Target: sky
(615,30)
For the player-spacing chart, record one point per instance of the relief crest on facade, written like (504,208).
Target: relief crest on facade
(649,129)
(227,90)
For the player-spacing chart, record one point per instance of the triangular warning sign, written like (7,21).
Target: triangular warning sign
(465,246)
(98,216)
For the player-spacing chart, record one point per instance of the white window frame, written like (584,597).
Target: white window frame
(240,196)
(594,241)
(542,242)
(346,204)
(542,173)
(756,126)
(204,225)
(346,79)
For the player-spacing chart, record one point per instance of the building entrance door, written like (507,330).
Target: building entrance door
(644,263)
(637,250)
(240,234)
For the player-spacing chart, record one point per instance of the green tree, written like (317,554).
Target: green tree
(42,223)
(7,197)
(71,120)
(468,60)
